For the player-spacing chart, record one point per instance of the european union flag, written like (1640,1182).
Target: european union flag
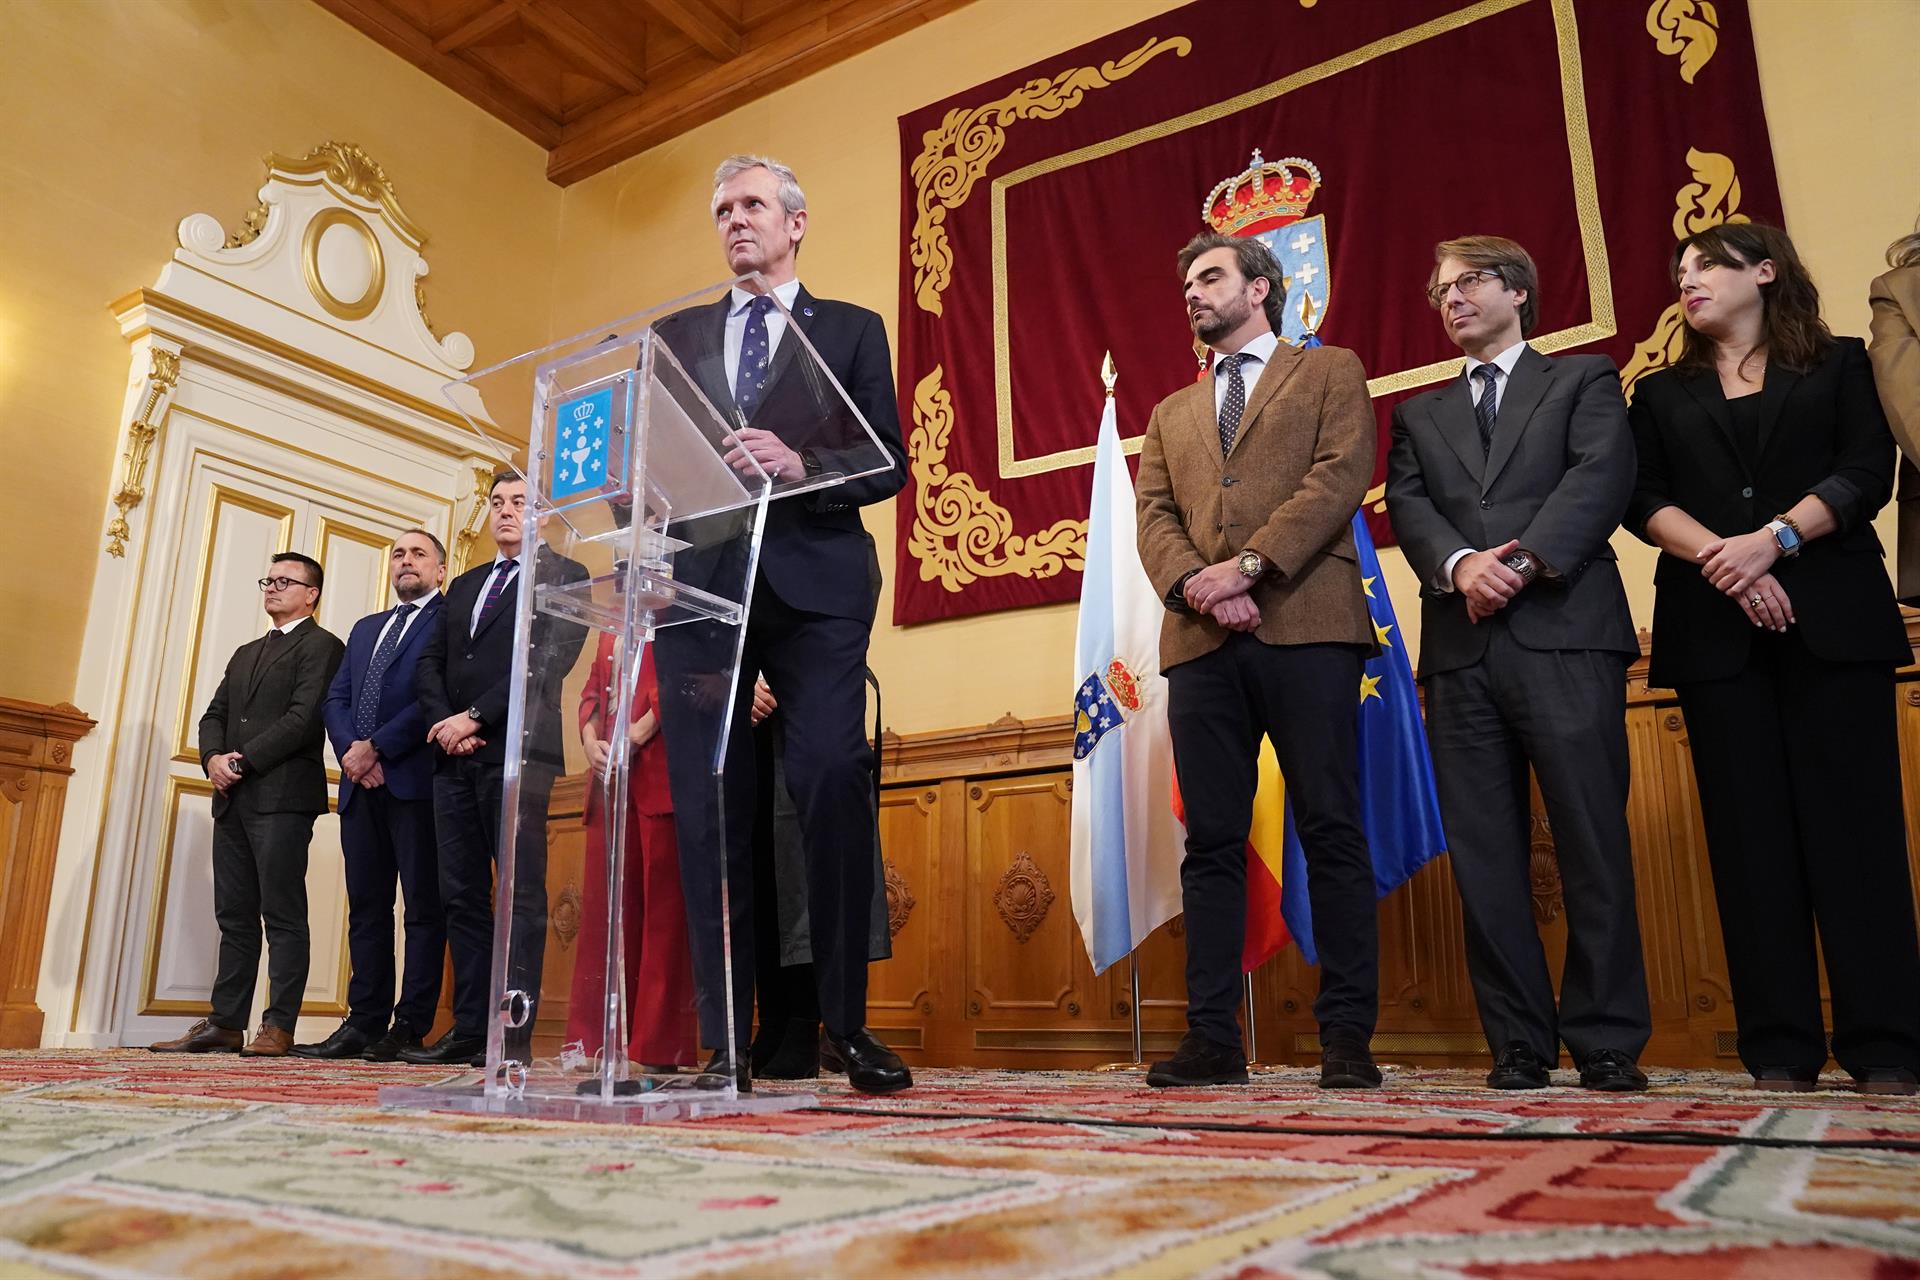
(581,427)
(1094,712)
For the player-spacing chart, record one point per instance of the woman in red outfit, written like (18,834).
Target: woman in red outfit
(658,962)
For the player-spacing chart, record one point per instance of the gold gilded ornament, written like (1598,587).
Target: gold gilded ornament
(163,372)
(1712,198)
(1689,28)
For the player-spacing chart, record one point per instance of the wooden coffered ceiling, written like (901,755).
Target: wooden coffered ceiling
(596,81)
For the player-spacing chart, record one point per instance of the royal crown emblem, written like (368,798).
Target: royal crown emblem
(1268,200)
(1125,688)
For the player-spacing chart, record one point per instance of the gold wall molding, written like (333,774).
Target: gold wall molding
(1712,198)
(1688,29)
(468,533)
(960,534)
(355,172)
(313,271)
(163,372)
(956,155)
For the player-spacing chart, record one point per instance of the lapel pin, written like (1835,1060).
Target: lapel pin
(807,312)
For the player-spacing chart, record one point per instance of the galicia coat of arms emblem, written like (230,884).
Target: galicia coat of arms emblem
(1268,201)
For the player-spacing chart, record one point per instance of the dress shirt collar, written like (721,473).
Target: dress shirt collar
(419,602)
(739,298)
(1260,348)
(286,628)
(1505,360)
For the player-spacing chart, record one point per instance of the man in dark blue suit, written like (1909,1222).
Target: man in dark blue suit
(373,718)
(811,617)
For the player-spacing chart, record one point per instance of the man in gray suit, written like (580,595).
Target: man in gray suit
(260,743)
(1503,487)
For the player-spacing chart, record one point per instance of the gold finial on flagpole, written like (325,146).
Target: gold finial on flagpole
(1108,374)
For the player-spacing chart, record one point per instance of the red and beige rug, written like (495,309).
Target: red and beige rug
(123,1164)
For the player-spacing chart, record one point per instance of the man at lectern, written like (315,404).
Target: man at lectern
(465,678)
(811,618)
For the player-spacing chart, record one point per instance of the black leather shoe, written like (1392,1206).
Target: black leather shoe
(449,1050)
(389,1046)
(1199,1061)
(1611,1071)
(347,1041)
(1786,1080)
(797,1056)
(714,1074)
(1895,1082)
(1518,1067)
(1346,1062)
(871,1066)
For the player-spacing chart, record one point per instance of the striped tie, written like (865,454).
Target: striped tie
(501,578)
(1488,404)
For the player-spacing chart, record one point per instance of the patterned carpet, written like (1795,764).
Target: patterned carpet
(123,1164)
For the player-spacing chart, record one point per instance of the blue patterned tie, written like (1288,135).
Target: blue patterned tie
(1488,405)
(1233,404)
(366,708)
(756,356)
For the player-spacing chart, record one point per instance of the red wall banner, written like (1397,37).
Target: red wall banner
(1041,213)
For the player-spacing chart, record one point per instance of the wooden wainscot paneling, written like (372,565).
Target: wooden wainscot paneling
(36,759)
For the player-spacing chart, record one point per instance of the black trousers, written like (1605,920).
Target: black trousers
(260,875)
(1798,761)
(816,666)
(467,797)
(386,841)
(783,992)
(1565,712)
(1302,698)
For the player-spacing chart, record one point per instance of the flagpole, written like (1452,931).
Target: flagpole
(1253,1031)
(1133,1007)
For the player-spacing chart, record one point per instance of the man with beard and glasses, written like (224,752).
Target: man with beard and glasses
(1248,485)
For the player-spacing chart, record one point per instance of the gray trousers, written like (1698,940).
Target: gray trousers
(1563,712)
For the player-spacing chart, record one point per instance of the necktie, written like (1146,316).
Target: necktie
(366,708)
(501,578)
(1234,404)
(1488,404)
(756,355)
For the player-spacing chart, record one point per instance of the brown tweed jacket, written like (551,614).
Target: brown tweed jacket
(1300,466)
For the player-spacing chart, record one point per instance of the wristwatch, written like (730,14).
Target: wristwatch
(473,714)
(1521,561)
(1252,564)
(1786,535)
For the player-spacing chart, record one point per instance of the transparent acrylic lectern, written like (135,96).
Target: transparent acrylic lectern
(612,964)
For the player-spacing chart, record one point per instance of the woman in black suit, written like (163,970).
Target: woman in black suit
(1764,455)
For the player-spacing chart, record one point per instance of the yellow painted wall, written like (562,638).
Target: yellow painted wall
(124,116)
(1847,152)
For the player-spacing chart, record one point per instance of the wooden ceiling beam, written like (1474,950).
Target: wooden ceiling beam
(380,23)
(576,40)
(477,28)
(712,32)
(626,128)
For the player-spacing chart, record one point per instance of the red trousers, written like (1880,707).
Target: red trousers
(658,961)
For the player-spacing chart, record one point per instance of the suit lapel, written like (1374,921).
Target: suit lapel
(1775,387)
(509,594)
(271,653)
(802,317)
(1532,375)
(1202,422)
(1286,359)
(421,622)
(1452,410)
(1705,388)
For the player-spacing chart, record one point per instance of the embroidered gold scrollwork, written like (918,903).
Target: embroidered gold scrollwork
(960,534)
(163,371)
(956,155)
(469,531)
(1689,28)
(1712,198)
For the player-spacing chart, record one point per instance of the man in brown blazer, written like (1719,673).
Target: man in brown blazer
(1248,485)
(1895,352)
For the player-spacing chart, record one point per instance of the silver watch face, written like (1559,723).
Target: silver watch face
(1250,563)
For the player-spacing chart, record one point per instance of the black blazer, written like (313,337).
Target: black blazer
(815,551)
(459,669)
(268,709)
(1822,432)
(1557,478)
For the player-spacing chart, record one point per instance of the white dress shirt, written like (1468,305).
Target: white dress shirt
(1504,362)
(739,301)
(286,628)
(473,620)
(419,607)
(1260,352)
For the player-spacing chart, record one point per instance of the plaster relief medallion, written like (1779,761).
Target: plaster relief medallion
(900,902)
(564,916)
(1023,897)
(342,263)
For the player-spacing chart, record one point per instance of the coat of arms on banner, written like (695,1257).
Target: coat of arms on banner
(1269,202)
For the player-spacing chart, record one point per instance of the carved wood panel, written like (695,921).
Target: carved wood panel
(1024,957)
(901,991)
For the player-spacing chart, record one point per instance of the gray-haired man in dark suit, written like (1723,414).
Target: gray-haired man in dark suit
(1503,487)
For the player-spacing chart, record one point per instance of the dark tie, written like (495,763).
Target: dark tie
(366,709)
(756,355)
(501,577)
(1488,404)
(1234,404)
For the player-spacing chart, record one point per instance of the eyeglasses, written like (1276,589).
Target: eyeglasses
(1469,283)
(281,584)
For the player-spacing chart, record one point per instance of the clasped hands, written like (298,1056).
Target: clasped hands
(220,770)
(1220,591)
(362,766)
(457,735)
(1484,581)
(1740,567)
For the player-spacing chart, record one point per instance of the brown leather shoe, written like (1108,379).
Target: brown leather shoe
(202,1037)
(268,1042)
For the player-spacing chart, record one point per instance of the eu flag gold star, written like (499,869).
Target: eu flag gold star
(1380,634)
(1370,688)
(1366,585)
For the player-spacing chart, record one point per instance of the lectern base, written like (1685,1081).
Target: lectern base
(654,1106)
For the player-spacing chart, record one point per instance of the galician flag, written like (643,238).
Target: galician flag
(1127,845)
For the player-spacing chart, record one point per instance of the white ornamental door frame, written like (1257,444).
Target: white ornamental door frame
(284,392)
